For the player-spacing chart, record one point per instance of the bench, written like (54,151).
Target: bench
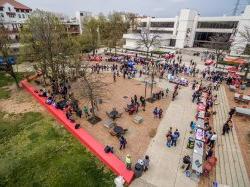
(242,111)
(108,123)
(138,119)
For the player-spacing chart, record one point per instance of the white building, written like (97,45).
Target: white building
(189,29)
(81,16)
(12,15)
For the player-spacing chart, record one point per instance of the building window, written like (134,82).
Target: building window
(162,24)
(143,24)
(81,14)
(1,15)
(19,15)
(23,16)
(161,32)
(1,8)
(206,36)
(218,25)
(203,39)
(9,9)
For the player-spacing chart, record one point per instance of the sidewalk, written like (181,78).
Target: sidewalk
(165,162)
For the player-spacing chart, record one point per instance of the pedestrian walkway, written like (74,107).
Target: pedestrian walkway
(165,162)
(230,169)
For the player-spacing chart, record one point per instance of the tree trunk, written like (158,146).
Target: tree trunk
(93,109)
(152,84)
(147,53)
(44,80)
(13,75)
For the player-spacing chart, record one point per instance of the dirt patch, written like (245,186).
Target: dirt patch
(138,135)
(241,124)
(19,102)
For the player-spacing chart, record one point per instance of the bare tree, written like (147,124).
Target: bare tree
(148,40)
(241,46)
(150,80)
(93,89)
(219,44)
(245,35)
(131,21)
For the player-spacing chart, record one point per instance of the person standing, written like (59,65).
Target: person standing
(135,98)
(169,139)
(209,153)
(225,128)
(213,139)
(123,142)
(143,103)
(128,162)
(146,163)
(174,139)
(155,112)
(114,76)
(86,111)
(160,113)
(231,113)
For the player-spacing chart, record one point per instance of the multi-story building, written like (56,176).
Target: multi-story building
(189,29)
(12,15)
(80,17)
(71,25)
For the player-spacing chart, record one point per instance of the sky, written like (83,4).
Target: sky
(157,8)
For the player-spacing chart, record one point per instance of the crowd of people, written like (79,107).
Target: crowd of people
(172,137)
(174,67)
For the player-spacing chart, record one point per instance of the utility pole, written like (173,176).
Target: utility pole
(236,8)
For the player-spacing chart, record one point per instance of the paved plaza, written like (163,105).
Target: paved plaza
(165,162)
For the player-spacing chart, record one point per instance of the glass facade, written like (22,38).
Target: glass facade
(143,24)
(205,36)
(217,25)
(162,24)
(161,31)
(202,39)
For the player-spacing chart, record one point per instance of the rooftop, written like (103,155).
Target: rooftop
(15,4)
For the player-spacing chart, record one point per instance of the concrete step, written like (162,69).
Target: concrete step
(230,169)
(240,168)
(222,167)
(224,145)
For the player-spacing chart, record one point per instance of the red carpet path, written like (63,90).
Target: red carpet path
(109,159)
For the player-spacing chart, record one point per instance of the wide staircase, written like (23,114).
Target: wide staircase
(230,168)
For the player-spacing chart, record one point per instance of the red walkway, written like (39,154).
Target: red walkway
(109,159)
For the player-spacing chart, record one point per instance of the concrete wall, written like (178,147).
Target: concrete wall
(185,29)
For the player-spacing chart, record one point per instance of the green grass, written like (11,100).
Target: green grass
(36,151)
(4,93)
(7,80)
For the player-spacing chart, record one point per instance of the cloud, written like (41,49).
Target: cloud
(158,9)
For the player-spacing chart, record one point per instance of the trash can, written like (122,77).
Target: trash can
(190,143)
(138,170)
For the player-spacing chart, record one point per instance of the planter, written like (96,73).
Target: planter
(94,120)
